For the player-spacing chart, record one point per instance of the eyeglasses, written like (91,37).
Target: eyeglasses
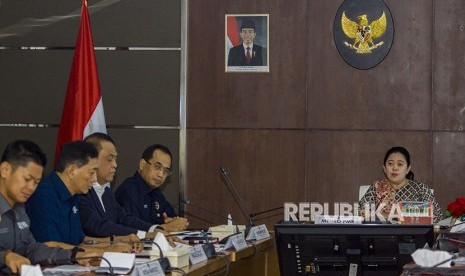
(159,168)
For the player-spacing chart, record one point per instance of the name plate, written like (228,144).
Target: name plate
(237,241)
(416,212)
(197,255)
(259,232)
(338,219)
(152,268)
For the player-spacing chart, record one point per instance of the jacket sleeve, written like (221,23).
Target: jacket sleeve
(129,219)
(95,225)
(127,198)
(39,252)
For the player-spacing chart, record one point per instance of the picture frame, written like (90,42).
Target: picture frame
(247,43)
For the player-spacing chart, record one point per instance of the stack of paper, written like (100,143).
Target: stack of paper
(121,263)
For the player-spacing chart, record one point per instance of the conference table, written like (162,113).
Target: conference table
(258,259)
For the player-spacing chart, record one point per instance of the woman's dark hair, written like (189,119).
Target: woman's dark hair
(410,175)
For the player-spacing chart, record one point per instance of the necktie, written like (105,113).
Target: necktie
(247,55)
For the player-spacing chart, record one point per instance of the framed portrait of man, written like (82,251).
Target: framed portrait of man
(247,43)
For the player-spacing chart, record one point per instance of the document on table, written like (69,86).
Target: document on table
(121,263)
(68,269)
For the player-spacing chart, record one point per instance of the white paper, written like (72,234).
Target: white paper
(429,258)
(120,262)
(458,227)
(69,269)
(31,270)
(161,241)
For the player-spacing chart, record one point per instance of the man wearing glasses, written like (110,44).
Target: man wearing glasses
(141,194)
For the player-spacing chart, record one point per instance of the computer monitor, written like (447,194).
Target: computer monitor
(356,249)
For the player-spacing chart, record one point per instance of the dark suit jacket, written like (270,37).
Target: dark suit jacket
(115,221)
(236,56)
(148,204)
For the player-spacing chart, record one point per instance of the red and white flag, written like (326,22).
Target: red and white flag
(83,110)
(232,38)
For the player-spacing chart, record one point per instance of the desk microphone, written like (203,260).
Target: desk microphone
(163,261)
(239,199)
(188,202)
(208,247)
(49,262)
(442,236)
(266,211)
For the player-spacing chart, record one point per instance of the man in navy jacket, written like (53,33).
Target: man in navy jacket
(101,215)
(141,193)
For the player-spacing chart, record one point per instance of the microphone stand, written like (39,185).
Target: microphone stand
(264,212)
(443,236)
(110,267)
(239,199)
(188,202)
(208,247)
(67,261)
(164,262)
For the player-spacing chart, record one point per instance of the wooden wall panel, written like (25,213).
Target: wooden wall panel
(338,162)
(394,95)
(350,116)
(448,166)
(449,60)
(264,165)
(251,100)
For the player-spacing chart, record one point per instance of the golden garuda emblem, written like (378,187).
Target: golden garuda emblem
(363,33)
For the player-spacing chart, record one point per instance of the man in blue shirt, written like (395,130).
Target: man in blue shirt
(21,169)
(141,194)
(54,209)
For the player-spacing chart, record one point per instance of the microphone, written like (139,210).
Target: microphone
(239,199)
(163,261)
(208,247)
(443,237)
(56,262)
(188,202)
(264,212)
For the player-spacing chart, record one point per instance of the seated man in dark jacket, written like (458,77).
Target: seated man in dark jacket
(101,215)
(141,194)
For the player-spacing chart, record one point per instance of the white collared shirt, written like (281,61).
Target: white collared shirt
(99,190)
